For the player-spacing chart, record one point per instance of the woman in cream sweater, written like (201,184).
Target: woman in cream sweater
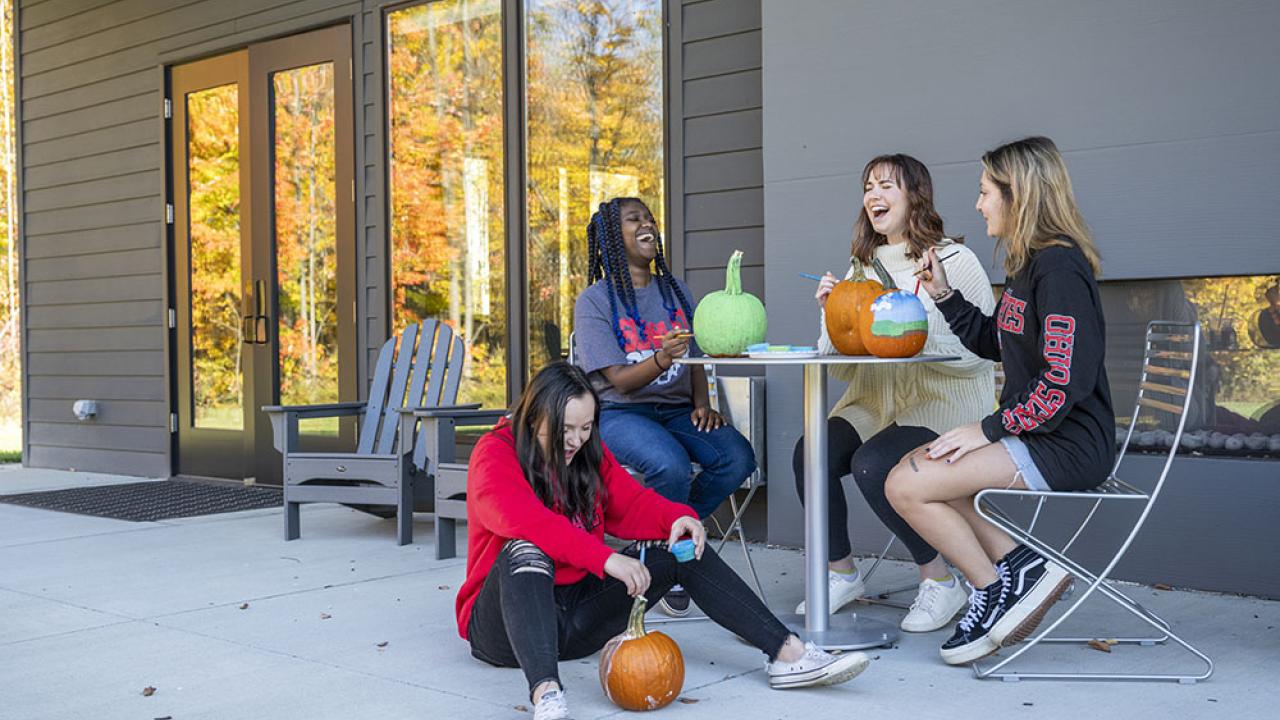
(889,410)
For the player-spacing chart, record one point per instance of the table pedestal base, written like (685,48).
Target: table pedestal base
(845,631)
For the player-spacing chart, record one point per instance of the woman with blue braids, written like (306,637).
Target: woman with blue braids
(630,325)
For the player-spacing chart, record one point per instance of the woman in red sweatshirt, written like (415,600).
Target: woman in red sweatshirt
(542,585)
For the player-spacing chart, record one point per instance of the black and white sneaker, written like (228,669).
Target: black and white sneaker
(972,639)
(1033,584)
(675,603)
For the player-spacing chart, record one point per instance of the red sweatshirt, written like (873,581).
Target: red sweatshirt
(502,506)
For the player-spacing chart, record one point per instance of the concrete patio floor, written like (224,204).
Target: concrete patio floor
(226,620)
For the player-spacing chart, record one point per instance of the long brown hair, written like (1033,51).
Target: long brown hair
(1040,206)
(573,490)
(924,225)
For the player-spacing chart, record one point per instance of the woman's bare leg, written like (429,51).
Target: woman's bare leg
(922,491)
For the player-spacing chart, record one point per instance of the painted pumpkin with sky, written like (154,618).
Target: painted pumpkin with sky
(896,324)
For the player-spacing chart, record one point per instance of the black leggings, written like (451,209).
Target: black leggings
(870,463)
(522,619)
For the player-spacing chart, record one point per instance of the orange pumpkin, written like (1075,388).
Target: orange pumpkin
(895,324)
(847,304)
(641,670)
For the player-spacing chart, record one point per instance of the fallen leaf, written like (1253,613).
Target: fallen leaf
(1161,586)
(1100,646)
(148,691)
(688,700)
(1029,704)
(382,644)
(166,717)
(442,587)
(521,708)
(244,606)
(325,616)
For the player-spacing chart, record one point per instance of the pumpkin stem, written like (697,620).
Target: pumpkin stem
(733,274)
(635,626)
(859,271)
(885,278)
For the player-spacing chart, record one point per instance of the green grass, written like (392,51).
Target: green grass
(10,456)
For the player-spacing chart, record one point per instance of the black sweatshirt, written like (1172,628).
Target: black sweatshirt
(1048,331)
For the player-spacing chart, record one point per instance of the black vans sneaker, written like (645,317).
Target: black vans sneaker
(1033,584)
(675,603)
(972,641)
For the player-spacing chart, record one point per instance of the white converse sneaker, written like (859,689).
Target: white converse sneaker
(551,706)
(935,605)
(840,591)
(816,667)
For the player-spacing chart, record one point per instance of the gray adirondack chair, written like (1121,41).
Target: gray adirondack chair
(381,470)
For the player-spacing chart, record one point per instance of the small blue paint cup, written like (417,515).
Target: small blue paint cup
(683,550)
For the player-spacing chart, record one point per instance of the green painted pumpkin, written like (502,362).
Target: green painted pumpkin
(729,320)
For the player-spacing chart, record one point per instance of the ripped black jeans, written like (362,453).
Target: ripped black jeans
(522,619)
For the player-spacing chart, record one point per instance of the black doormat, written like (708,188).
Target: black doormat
(149,501)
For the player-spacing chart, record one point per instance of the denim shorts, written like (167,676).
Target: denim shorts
(1026,466)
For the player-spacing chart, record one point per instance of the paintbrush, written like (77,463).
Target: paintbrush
(944,258)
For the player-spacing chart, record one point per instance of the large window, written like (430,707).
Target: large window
(1235,410)
(446,171)
(594,113)
(594,129)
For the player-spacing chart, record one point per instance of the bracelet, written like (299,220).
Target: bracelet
(655,362)
(943,295)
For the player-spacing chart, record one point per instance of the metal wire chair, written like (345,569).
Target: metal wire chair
(1164,394)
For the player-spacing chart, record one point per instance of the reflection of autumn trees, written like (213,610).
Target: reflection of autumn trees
(213,177)
(1228,313)
(594,128)
(306,239)
(447,234)
(10,376)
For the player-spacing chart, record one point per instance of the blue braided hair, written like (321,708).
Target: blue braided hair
(607,260)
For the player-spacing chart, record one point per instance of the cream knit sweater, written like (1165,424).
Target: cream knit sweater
(939,396)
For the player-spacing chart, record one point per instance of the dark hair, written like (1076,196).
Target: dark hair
(924,225)
(572,490)
(607,260)
(1273,291)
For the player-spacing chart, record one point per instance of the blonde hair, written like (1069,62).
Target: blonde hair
(1040,206)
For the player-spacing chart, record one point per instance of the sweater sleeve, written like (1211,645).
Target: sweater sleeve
(633,511)
(970,279)
(506,505)
(976,330)
(1071,343)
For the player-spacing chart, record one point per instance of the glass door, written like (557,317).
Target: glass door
(264,248)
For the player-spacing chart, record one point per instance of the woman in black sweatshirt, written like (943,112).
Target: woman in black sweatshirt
(1054,429)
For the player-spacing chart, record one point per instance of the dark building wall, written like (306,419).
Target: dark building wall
(716,128)
(1169,117)
(92,154)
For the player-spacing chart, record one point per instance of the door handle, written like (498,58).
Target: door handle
(254,322)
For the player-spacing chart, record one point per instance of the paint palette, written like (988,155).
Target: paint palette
(764,351)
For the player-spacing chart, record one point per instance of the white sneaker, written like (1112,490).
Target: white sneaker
(551,706)
(840,591)
(816,667)
(935,605)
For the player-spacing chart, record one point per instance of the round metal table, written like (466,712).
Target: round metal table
(846,631)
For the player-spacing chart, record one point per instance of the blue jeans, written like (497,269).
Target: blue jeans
(660,442)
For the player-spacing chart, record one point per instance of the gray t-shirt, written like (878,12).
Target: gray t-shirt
(597,344)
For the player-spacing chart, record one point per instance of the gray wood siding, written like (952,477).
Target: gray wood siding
(722,169)
(92,161)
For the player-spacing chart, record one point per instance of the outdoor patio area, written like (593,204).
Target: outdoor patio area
(225,620)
